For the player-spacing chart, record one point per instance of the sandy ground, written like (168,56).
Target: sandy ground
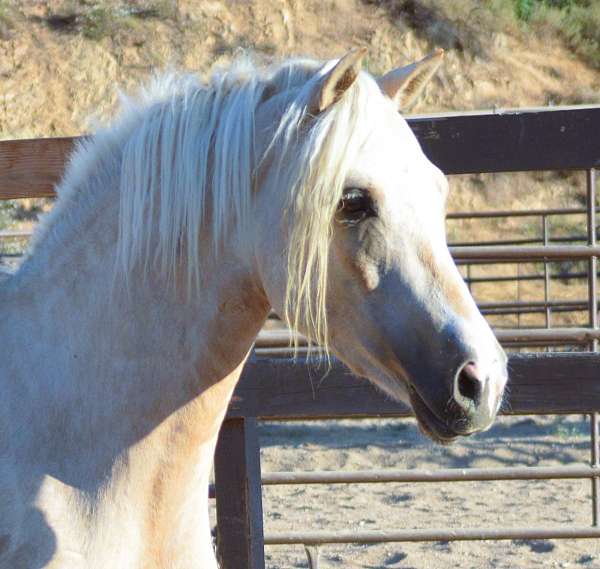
(372,444)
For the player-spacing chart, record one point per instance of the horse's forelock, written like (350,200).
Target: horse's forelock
(328,151)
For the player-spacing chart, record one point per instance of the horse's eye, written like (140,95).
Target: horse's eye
(356,204)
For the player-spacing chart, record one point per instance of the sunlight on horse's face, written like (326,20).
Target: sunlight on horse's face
(399,311)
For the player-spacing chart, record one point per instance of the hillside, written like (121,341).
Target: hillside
(60,62)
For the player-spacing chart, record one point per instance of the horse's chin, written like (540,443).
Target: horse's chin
(430,425)
(401,390)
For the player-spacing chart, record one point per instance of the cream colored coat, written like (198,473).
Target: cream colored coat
(114,384)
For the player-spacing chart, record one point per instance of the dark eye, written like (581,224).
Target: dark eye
(356,204)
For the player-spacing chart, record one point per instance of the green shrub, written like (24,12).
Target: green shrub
(6,18)
(99,22)
(96,20)
(581,27)
(524,9)
(577,21)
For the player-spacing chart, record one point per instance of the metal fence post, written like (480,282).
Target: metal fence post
(240,538)
(593,321)
(312,554)
(546,239)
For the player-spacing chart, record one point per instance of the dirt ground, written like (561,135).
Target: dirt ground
(372,444)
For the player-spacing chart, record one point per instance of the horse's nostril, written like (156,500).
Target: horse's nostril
(469,384)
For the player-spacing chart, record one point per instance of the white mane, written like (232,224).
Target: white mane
(188,159)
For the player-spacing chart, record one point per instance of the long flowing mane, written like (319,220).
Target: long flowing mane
(188,159)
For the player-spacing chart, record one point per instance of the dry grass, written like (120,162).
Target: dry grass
(108,19)
(577,22)
(459,24)
(6,19)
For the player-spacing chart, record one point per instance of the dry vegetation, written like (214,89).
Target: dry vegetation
(61,61)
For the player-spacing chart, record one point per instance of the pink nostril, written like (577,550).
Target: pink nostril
(469,382)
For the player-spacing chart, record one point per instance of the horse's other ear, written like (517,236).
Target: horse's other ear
(405,84)
(336,81)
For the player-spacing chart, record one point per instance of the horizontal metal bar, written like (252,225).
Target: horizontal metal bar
(282,338)
(514,305)
(16,234)
(287,352)
(524,241)
(512,310)
(517,278)
(577,335)
(395,536)
(19,234)
(501,252)
(471,280)
(441,475)
(517,213)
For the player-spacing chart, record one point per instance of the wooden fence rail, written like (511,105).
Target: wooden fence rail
(499,141)
(283,389)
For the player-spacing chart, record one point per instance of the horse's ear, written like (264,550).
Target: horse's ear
(405,84)
(336,81)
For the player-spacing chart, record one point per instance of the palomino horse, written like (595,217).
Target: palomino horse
(297,187)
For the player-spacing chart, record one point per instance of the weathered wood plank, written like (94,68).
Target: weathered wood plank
(239,496)
(508,141)
(31,168)
(279,388)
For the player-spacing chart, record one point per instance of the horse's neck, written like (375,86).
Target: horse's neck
(124,391)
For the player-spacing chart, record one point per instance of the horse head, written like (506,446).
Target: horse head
(355,253)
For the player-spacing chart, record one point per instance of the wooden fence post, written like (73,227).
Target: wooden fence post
(239,496)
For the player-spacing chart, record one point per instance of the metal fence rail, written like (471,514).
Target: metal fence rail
(269,339)
(440,475)
(444,534)
(433,476)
